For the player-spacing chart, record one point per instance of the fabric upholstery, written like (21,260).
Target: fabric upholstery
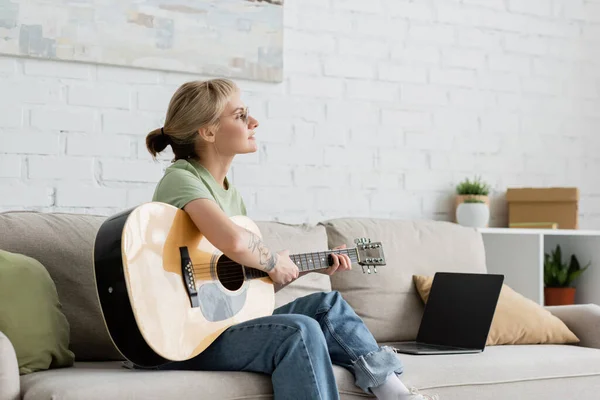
(108,380)
(63,243)
(9,371)
(574,388)
(517,319)
(508,372)
(31,314)
(388,301)
(532,372)
(583,320)
(301,238)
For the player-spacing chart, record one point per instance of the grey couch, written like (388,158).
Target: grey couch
(387,302)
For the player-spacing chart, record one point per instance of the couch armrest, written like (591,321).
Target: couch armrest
(583,320)
(9,371)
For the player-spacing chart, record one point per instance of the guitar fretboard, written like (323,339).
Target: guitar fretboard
(308,261)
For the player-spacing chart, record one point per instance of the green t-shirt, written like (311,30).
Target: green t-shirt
(187,180)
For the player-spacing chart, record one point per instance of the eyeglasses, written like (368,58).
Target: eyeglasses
(243,114)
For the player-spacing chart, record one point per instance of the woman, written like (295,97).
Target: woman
(207,125)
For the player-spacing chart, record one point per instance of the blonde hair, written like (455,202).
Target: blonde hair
(195,105)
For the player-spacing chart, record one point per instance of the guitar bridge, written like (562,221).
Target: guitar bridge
(187,273)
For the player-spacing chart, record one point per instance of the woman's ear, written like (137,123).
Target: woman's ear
(207,134)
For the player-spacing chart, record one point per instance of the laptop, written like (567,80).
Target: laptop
(458,314)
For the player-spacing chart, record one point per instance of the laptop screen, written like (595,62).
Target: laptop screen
(460,309)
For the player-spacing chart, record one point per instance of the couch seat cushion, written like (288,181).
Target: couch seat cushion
(529,372)
(109,380)
(498,367)
(388,301)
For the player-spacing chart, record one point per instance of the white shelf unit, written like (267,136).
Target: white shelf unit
(519,255)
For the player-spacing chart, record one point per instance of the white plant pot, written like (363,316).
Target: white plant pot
(476,215)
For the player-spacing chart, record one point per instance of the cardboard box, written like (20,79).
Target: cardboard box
(530,207)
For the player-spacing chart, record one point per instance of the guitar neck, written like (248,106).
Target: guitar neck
(308,261)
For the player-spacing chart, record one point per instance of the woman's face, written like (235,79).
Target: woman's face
(236,130)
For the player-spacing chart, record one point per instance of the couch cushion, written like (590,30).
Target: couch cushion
(63,243)
(388,301)
(532,372)
(108,380)
(302,238)
(529,372)
(31,315)
(575,388)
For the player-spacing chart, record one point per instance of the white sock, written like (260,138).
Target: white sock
(392,389)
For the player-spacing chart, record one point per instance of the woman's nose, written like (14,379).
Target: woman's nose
(252,123)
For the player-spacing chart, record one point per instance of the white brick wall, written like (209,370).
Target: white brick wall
(384,107)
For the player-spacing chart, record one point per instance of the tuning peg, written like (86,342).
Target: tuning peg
(368,269)
(375,268)
(363,268)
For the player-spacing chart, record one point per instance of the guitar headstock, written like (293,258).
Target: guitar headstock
(369,254)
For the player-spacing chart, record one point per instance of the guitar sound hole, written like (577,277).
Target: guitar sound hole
(230,273)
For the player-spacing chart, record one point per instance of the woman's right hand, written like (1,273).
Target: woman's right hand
(285,271)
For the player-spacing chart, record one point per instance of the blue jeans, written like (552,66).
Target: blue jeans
(297,346)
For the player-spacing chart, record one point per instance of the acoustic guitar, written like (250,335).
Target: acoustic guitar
(166,293)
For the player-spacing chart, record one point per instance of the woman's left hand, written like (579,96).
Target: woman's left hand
(341,262)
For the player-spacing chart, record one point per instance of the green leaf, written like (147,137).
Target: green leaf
(558,273)
(476,187)
(574,275)
(547,274)
(574,264)
(575,272)
(562,276)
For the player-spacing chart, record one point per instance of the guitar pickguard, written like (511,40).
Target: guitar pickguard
(218,305)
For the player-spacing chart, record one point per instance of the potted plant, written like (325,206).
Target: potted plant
(472,203)
(559,277)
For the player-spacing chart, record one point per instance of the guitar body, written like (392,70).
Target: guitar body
(165,291)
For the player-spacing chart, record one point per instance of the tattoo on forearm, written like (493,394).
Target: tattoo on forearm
(254,242)
(265,259)
(271,262)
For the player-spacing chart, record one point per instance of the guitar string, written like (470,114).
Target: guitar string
(311,259)
(231,279)
(236,279)
(227,275)
(233,263)
(206,269)
(234,275)
(229,263)
(352,258)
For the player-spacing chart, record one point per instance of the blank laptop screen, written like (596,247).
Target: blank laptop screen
(460,309)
